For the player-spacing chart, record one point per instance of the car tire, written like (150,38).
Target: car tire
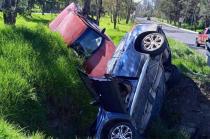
(152,43)
(197,44)
(119,129)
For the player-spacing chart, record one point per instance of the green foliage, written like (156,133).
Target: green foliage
(188,60)
(8,131)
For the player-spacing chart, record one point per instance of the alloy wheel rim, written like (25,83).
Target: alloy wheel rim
(153,41)
(121,132)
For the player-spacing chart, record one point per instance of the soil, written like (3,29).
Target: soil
(187,107)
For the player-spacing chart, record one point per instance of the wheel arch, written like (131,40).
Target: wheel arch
(139,39)
(109,124)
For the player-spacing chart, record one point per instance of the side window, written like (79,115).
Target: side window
(87,43)
(208,31)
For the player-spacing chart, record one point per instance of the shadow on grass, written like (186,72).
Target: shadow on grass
(37,20)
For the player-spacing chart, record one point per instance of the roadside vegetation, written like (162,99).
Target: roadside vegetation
(189,61)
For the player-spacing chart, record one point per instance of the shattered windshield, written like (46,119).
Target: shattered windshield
(87,43)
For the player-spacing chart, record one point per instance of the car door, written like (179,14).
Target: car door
(204,36)
(147,94)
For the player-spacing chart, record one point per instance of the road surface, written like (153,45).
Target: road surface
(184,36)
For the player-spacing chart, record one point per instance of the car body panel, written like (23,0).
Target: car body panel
(96,65)
(56,22)
(122,64)
(104,118)
(203,37)
(71,28)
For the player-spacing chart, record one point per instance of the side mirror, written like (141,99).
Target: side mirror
(103,31)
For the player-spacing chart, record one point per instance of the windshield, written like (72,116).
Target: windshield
(87,43)
(208,31)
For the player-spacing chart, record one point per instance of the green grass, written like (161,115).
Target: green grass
(115,34)
(188,60)
(184,25)
(8,131)
(39,86)
(30,22)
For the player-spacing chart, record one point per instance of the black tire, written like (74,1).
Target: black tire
(197,44)
(114,127)
(140,44)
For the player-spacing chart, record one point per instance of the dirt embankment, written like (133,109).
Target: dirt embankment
(187,108)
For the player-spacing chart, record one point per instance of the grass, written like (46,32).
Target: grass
(184,25)
(188,60)
(115,34)
(30,22)
(39,86)
(8,131)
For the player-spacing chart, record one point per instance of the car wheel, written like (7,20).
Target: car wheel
(153,44)
(122,130)
(197,44)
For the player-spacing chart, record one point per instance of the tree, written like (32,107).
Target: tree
(129,7)
(205,12)
(9,11)
(86,7)
(115,13)
(99,4)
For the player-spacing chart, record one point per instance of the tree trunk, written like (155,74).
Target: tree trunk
(10,18)
(207,21)
(111,18)
(9,12)
(43,8)
(116,13)
(128,17)
(86,7)
(129,4)
(99,10)
(115,20)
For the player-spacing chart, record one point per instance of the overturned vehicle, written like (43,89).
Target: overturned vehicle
(127,82)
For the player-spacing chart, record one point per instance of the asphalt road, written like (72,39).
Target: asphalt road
(184,36)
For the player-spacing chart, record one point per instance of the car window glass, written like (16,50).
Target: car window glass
(87,43)
(208,31)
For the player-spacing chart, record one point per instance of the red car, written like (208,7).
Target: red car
(202,37)
(85,38)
